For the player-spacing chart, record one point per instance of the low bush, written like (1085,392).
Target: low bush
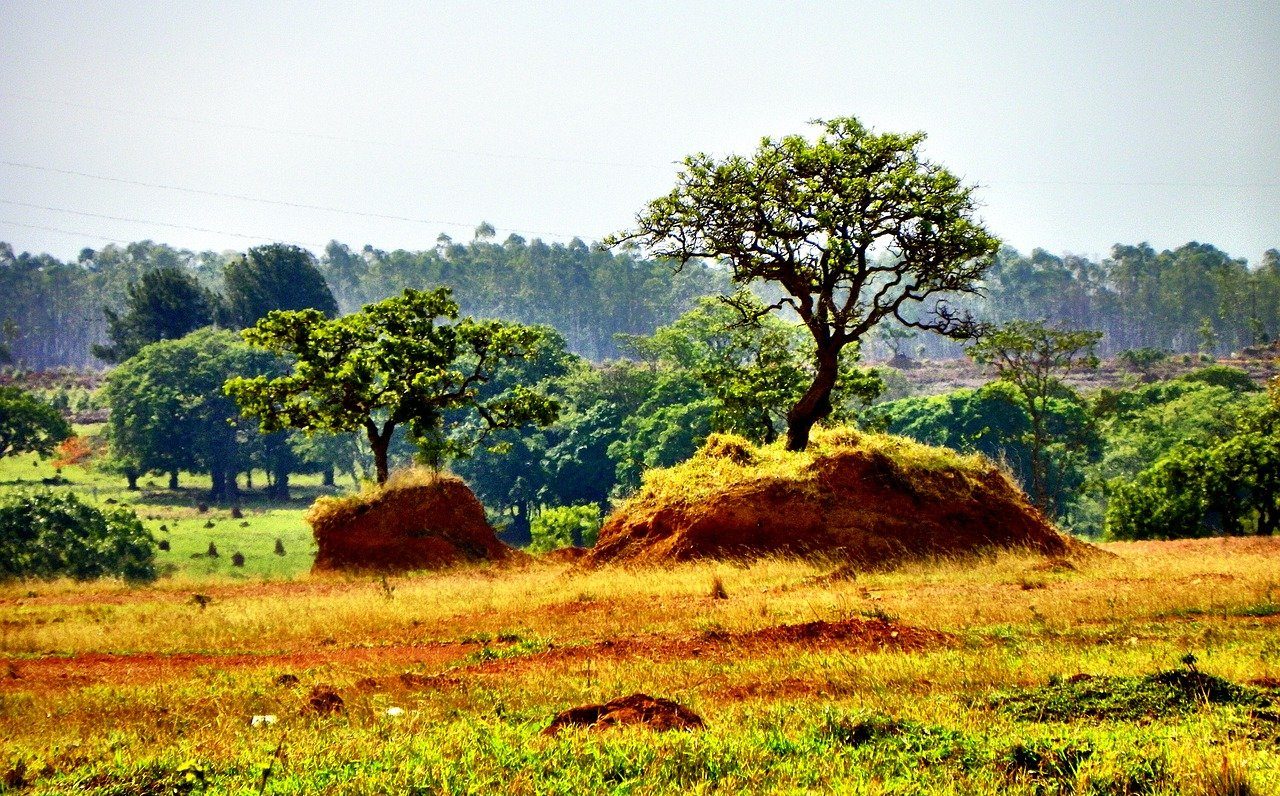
(55,534)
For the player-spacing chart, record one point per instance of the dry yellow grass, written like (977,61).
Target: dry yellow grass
(484,634)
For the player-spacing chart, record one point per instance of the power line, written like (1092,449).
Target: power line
(71,232)
(222,124)
(157,223)
(259,200)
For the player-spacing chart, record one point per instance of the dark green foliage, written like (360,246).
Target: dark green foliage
(1044,764)
(169,411)
(29,425)
(1154,696)
(992,420)
(1228,486)
(854,228)
(164,304)
(1032,358)
(55,534)
(407,361)
(922,743)
(274,277)
(588,294)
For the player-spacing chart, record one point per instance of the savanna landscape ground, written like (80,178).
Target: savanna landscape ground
(1008,674)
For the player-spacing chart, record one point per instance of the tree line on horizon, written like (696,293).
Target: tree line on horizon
(1195,298)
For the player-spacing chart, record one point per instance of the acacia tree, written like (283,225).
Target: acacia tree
(1034,358)
(856,227)
(406,361)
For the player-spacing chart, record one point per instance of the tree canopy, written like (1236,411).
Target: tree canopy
(29,425)
(405,361)
(1033,358)
(164,304)
(855,227)
(274,277)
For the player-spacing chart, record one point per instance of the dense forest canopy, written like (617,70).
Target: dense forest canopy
(1193,298)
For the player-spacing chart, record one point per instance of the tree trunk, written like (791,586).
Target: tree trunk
(280,486)
(131,477)
(520,533)
(326,476)
(218,477)
(380,444)
(173,479)
(815,404)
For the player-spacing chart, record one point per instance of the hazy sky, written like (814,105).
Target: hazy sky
(1086,124)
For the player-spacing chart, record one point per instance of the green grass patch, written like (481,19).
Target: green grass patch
(1154,696)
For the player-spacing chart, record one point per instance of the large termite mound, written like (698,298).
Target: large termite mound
(417,520)
(870,499)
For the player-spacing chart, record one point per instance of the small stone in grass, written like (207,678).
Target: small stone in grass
(237,559)
(263,721)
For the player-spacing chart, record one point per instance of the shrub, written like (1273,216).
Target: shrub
(53,534)
(565,525)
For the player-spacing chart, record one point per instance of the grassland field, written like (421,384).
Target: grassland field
(1034,682)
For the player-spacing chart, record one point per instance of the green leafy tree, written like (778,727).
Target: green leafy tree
(29,425)
(1228,488)
(405,361)
(275,277)
(55,534)
(169,412)
(1033,358)
(993,420)
(856,228)
(164,304)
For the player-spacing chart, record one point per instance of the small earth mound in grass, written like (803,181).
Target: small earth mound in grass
(417,520)
(324,700)
(653,713)
(853,633)
(1152,696)
(871,499)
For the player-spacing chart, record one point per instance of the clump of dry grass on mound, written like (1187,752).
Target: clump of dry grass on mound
(870,499)
(419,519)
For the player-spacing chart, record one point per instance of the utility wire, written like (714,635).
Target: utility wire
(158,223)
(222,124)
(71,232)
(259,200)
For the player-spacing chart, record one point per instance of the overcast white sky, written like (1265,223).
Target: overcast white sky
(1086,124)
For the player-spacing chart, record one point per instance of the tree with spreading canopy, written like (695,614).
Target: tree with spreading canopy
(408,360)
(856,227)
(29,425)
(166,303)
(1033,358)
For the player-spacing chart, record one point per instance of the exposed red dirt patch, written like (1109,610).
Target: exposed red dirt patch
(851,635)
(851,504)
(431,524)
(642,710)
(59,673)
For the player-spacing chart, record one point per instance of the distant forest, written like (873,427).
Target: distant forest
(1193,298)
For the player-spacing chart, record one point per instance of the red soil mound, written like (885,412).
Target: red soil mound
(638,709)
(846,502)
(432,523)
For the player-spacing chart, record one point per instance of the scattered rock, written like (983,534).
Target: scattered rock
(201,600)
(324,700)
(279,547)
(263,721)
(209,523)
(236,513)
(237,559)
(163,544)
(213,550)
(638,709)
(287,679)
(202,507)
